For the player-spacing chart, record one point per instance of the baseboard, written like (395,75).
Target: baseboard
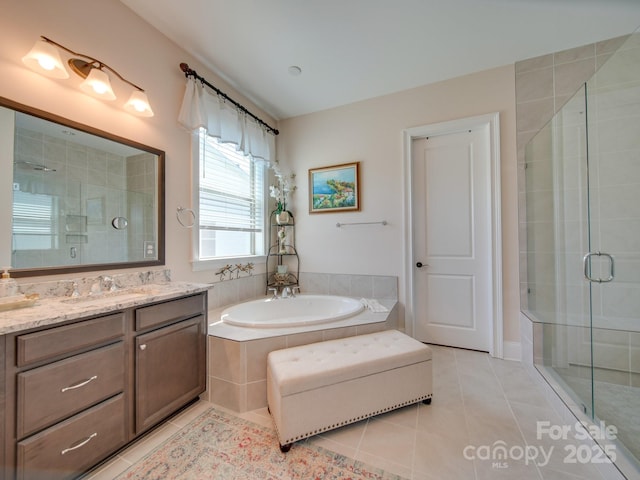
(512,351)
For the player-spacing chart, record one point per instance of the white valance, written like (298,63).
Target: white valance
(223,120)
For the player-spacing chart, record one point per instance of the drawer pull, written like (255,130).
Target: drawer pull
(81,384)
(80,444)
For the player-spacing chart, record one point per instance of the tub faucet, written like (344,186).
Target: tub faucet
(286,293)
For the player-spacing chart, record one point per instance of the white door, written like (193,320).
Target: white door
(451,204)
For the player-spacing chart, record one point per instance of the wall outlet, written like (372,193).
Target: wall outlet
(149,249)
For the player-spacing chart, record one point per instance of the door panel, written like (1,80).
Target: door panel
(452,239)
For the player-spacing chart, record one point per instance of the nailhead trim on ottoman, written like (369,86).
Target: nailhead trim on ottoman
(321,386)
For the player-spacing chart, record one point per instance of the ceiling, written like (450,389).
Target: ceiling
(351,50)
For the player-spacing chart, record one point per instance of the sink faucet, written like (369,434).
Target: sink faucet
(108,283)
(286,293)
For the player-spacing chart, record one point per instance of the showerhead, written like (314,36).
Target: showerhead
(34,166)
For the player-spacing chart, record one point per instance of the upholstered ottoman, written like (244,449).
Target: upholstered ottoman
(317,387)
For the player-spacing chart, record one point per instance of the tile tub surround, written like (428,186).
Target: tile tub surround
(237,357)
(54,307)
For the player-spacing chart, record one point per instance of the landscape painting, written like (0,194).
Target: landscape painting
(335,188)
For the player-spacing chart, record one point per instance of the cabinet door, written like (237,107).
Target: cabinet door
(170,370)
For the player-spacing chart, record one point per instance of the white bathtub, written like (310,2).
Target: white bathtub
(291,312)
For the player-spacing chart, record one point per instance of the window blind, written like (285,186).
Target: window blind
(231,188)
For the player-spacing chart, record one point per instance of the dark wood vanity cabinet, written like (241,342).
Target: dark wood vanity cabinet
(170,346)
(76,393)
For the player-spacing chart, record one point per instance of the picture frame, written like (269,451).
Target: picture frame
(335,188)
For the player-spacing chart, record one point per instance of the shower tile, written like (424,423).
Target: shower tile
(527,65)
(534,115)
(616,377)
(569,76)
(634,353)
(573,54)
(611,45)
(535,85)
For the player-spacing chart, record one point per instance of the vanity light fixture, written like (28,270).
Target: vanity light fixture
(44,58)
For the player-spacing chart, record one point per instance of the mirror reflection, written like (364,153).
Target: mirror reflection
(82,201)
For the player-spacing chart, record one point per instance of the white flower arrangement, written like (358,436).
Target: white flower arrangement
(280,191)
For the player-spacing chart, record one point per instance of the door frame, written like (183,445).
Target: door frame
(492,122)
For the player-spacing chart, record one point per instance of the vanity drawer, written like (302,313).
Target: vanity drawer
(48,394)
(174,310)
(54,342)
(71,447)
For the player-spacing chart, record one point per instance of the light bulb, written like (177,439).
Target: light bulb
(97,84)
(138,104)
(45,59)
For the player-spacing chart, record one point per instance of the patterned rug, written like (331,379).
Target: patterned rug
(220,446)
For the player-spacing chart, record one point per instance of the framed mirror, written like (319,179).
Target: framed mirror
(81,198)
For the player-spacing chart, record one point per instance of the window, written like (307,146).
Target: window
(35,223)
(230,201)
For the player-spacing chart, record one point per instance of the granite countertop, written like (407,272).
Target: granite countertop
(52,310)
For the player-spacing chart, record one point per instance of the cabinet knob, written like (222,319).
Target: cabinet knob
(143,346)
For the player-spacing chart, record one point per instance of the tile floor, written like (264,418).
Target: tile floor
(479,404)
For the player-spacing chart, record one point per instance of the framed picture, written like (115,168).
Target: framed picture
(335,188)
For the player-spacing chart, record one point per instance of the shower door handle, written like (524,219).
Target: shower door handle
(587,273)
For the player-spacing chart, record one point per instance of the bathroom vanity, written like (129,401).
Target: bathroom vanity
(91,375)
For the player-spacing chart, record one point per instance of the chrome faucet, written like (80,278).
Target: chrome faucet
(275,293)
(109,284)
(286,293)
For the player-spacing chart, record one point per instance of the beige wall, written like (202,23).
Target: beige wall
(371,132)
(109,31)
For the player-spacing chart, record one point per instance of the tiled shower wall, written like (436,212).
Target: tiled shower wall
(88,187)
(543,85)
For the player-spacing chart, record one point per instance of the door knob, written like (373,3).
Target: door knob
(420,265)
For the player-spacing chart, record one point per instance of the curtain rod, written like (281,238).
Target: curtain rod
(188,72)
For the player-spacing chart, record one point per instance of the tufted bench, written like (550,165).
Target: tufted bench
(317,387)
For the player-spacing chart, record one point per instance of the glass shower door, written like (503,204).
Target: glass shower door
(558,235)
(582,174)
(613,139)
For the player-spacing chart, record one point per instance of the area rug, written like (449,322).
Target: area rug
(220,446)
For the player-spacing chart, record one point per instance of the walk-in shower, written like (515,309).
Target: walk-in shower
(583,250)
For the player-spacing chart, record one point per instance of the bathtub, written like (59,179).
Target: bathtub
(237,354)
(291,312)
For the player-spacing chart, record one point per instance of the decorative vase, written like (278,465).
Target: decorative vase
(283,217)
